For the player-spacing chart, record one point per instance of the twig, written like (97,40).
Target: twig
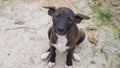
(20,28)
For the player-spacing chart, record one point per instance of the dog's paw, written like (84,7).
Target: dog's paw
(76,57)
(51,64)
(66,66)
(45,55)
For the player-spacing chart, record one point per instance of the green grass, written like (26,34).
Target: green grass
(100,13)
(116,30)
(102,50)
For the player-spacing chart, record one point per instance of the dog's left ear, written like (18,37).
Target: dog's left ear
(80,17)
(51,10)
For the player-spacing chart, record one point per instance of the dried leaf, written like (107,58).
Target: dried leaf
(91,38)
(104,66)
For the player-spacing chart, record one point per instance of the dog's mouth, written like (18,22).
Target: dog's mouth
(60,32)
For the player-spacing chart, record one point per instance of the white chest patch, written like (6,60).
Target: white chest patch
(61,43)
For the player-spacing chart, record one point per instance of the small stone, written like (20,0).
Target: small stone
(20,22)
(106,42)
(118,66)
(5,0)
(32,61)
(8,54)
(92,28)
(92,62)
(118,54)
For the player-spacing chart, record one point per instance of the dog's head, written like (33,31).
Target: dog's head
(63,19)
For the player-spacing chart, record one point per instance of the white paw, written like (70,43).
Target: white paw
(76,57)
(45,55)
(51,64)
(66,66)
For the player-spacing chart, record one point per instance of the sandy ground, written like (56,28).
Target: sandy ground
(23,39)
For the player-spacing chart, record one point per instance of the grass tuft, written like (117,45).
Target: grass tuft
(100,13)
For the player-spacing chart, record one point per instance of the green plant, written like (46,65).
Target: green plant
(100,13)
(116,30)
(102,50)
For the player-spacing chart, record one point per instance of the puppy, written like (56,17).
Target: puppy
(64,34)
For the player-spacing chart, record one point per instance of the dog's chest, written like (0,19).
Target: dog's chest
(60,45)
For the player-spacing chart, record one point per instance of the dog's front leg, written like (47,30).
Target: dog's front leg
(51,61)
(69,59)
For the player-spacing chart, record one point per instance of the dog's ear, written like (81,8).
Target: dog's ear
(51,10)
(80,17)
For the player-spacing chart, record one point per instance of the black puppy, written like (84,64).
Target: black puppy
(64,34)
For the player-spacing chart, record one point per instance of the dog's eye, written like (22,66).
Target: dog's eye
(70,18)
(57,15)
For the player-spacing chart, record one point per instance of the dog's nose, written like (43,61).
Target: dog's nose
(60,29)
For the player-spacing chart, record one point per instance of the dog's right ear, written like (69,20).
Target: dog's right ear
(51,10)
(80,17)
